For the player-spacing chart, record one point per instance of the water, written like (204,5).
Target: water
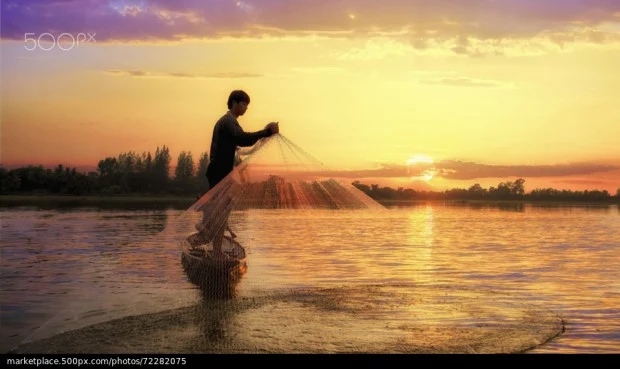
(67,268)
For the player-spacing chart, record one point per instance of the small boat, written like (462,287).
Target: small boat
(216,278)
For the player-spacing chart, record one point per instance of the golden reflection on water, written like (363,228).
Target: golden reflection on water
(59,266)
(421,228)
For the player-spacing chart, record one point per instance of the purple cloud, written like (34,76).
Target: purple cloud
(148,74)
(415,21)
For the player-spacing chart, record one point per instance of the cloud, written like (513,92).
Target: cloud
(584,182)
(147,74)
(465,27)
(463,170)
(384,171)
(374,50)
(317,70)
(466,82)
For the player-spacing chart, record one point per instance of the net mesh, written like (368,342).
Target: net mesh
(132,297)
(275,174)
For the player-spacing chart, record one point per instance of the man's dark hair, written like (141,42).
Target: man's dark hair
(238,96)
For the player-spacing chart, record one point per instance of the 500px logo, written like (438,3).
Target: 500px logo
(64,41)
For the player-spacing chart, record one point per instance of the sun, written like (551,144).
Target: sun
(428,175)
(416,160)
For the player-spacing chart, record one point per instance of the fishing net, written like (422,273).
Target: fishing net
(275,174)
(324,277)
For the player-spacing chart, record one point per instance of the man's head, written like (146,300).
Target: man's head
(238,102)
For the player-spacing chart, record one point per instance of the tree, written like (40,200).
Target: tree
(518,187)
(202,183)
(476,191)
(185,166)
(148,163)
(203,163)
(9,180)
(107,167)
(504,190)
(161,168)
(127,162)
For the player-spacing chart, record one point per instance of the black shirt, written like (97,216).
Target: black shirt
(227,135)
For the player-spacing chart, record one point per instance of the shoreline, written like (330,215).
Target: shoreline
(138,198)
(27,199)
(497,202)
(96,201)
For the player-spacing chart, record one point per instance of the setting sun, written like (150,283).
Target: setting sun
(422,163)
(463,98)
(428,175)
(369,177)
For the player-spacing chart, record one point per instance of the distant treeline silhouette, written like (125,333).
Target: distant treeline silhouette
(130,173)
(145,174)
(504,191)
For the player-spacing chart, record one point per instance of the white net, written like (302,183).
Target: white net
(354,280)
(275,174)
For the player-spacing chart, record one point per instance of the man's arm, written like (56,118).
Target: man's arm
(244,138)
(250,151)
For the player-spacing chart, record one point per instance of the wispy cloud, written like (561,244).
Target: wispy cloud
(374,50)
(465,27)
(466,82)
(584,182)
(147,74)
(317,70)
(463,170)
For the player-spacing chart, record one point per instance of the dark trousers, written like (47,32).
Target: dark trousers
(215,174)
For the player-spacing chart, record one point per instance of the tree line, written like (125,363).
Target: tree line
(147,174)
(129,173)
(504,191)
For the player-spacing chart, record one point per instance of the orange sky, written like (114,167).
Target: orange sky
(488,90)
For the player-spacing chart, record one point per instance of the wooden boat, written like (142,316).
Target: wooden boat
(215,278)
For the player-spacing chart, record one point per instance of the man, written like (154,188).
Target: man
(227,137)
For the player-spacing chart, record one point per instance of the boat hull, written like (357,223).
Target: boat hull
(215,278)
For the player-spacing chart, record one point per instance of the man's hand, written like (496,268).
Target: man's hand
(274,127)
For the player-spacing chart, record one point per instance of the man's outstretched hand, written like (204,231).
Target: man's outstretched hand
(274,127)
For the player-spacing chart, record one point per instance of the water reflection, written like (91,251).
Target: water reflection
(420,239)
(213,320)
(604,208)
(514,206)
(96,203)
(117,262)
(482,205)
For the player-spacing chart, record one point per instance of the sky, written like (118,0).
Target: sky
(415,94)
